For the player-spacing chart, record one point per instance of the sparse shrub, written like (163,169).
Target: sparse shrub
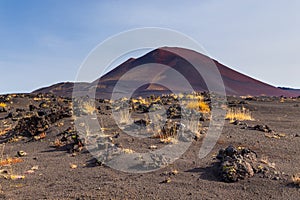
(169,140)
(194,96)
(124,117)
(168,134)
(57,143)
(199,105)
(6,166)
(3,105)
(194,126)
(88,107)
(128,151)
(10,161)
(241,114)
(296,179)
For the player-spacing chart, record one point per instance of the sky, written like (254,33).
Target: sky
(45,42)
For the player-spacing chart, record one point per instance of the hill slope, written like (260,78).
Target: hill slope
(164,68)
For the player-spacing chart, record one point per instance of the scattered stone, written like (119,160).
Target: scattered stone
(44,105)
(40,136)
(262,128)
(108,107)
(275,135)
(152,147)
(236,164)
(20,110)
(21,153)
(117,135)
(71,140)
(239,123)
(242,163)
(168,180)
(2,109)
(142,122)
(174,112)
(73,166)
(32,126)
(32,108)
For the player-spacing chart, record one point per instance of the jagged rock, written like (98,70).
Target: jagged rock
(174,112)
(15,116)
(2,109)
(240,123)
(71,139)
(108,107)
(236,164)
(142,122)
(44,105)
(20,110)
(32,107)
(262,128)
(31,126)
(143,108)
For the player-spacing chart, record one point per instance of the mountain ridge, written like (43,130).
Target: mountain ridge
(152,66)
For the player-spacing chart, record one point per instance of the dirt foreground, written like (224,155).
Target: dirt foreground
(48,171)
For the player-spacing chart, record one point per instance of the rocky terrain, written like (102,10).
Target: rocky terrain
(43,155)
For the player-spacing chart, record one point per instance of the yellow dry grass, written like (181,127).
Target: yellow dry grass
(128,151)
(10,161)
(296,179)
(124,117)
(3,105)
(199,105)
(241,114)
(193,96)
(4,131)
(88,107)
(169,140)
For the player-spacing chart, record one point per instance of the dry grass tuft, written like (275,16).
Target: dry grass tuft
(266,161)
(194,126)
(124,117)
(128,151)
(57,143)
(201,106)
(88,107)
(10,161)
(241,114)
(4,131)
(296,179)
(3,105)
(169,140)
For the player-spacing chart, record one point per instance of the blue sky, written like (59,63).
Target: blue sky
(44,42)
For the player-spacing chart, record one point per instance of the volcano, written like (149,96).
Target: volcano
(168,70)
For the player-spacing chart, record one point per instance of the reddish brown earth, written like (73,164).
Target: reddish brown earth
(196,178)
(176,59)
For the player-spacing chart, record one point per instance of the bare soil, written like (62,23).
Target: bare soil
(196,178)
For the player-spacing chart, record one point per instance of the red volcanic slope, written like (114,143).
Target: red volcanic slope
(165,69)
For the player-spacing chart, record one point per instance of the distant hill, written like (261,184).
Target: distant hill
(295,92)
(235,83)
